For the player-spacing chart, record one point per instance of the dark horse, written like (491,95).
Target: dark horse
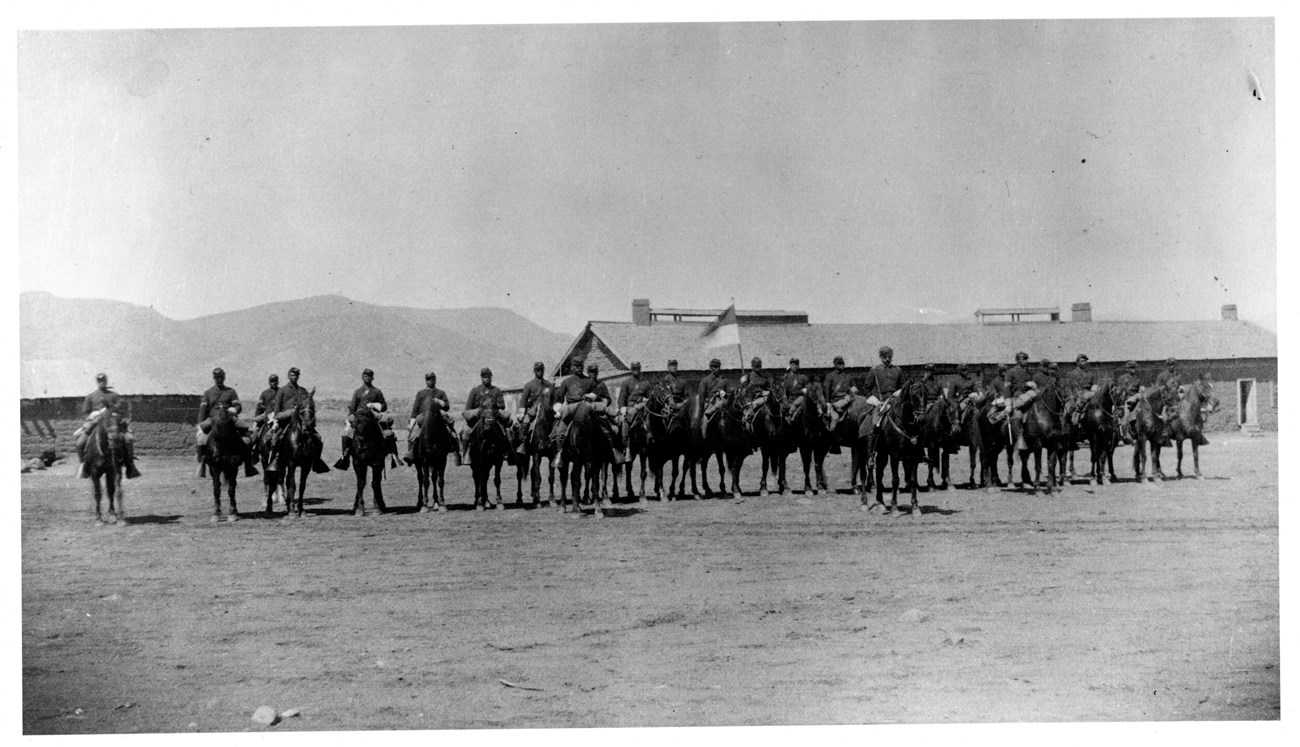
(1098,429)
(223,454)
(429,452)
(898,442)
(535,437)
(1149,429)
(1189,424)
(994,440)
(667,437)
(806,433)
(638,437)
(727,435)
(489,447)
(854,430)
(940,429)
(104,458)
(699,449)
(368,451)
(767,424)
(583,455)
(1044,429)
(298,454)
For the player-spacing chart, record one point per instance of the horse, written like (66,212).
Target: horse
(667,437)
(1098,429)
(298,454)
(994,440)
(1149,430)
(898,442)
(535,438)
(637,447)
(699,449)
(968,435)
(728,436)
(940,428)
(223,453)
(855,431)
(103,458)
(1044,429)
(806,433)
(369,447)
(585,451)
(1189,424)
(429,451)
(767,424)
(489,447)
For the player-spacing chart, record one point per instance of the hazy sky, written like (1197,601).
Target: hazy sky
(861,171)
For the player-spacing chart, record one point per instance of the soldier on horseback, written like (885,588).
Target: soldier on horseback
(577,388)
(265,409)
(677,391)
(485,395)
(631,401)
(441,406)
(366,395)
(931,387)
(709,386)
(528,397)
(965,390)
(1083,384)
(795,387)
(103,406)
(839,390)
(1170,379)
(1130,386)
(756,389)
(884,383)
(221,396)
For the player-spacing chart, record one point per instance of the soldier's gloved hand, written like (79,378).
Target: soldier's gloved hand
(411,424)
(590,397)
(232,410)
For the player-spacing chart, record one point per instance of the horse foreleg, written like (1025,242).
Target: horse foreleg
(358,505)
(1196,456)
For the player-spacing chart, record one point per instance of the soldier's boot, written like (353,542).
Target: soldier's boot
(131,471)
(82,471)
(344,461)
(249,469)
(409,456)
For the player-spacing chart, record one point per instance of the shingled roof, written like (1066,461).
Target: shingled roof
(817,344)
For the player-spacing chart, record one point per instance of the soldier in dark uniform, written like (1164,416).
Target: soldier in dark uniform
(265,407)
(631,400)
(1042,376)
(931,387)
(838,388)
(1169,379)
(884,382)
(532,393)
(711,383)
(575,388)
(366,395)
(220,395)
(1083,384)
(287,399)
(1130,385)
(603,404)
(105,405)
(484,396)
(441,407)
(755,387)
(795,387)
(965,391)
(676,385)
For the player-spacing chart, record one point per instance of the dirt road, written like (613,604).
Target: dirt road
(1128,602)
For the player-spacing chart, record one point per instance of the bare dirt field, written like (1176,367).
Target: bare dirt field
(1127,602)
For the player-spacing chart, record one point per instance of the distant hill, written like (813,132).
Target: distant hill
(330,338)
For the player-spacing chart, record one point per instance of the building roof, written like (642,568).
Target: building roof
(817,344)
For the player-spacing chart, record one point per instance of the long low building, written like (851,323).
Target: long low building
(1241,357)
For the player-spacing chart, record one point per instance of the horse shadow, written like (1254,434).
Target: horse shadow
(152,519)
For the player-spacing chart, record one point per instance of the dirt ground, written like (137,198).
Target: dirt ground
(1127,602)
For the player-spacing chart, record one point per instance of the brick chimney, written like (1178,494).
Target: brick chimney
(641,312)
(1081,312)
(1229,312)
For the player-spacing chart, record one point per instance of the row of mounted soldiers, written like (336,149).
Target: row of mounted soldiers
(1012,386)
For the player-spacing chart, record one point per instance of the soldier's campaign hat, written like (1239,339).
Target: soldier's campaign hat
(1022,356)
(1131,364)
(1170,361)
(885,349)
(636,365)
(756,362)
(218,372)
(715,363)
(929,367)
(962,368)
(1081,357)
(430,376)
(1045,363)
(294,370)
(593,367)
(672,361)
(1002,367)
(838,359)
(273,377)
(539,366)
(485,372)
(1051,365)
(794,360)
(101,377)
(367,372)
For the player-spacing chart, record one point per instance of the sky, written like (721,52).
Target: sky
(871,171)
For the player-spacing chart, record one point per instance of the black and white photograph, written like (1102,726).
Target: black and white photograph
(570,372)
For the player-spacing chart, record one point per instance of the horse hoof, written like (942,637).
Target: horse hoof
(762,492)
(478,507)
(1198,476)
(110,519)
(215,518)
(424,509)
